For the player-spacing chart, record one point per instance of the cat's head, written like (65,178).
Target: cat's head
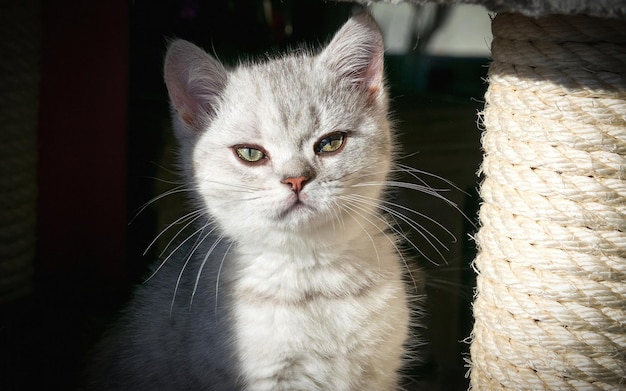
(298,144)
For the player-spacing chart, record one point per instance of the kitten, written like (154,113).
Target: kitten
(293,279)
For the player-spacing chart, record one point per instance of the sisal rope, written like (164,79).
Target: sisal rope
(550,306)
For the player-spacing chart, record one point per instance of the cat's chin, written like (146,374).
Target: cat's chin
(296,210)
(298,216)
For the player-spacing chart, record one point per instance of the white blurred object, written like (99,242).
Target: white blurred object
(396,23)
(465,32)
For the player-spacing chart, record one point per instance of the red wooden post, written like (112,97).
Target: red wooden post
(82,138)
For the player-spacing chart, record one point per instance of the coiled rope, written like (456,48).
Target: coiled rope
(550,306)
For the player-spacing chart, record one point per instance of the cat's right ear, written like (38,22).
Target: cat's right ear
(195,80)
(356,54)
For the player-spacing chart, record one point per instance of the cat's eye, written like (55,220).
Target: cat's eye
(330,143)
(249,154)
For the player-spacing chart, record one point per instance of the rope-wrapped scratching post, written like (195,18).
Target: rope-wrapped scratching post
(550,308)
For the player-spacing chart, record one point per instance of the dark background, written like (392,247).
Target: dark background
(104,149)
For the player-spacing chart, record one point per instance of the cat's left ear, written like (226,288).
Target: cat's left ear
(356,54)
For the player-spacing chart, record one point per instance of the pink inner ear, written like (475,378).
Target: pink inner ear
(182,104)
(373,90)
(187,118)
(374,74)
(176,81)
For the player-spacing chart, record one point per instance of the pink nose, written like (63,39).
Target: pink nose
(296,183)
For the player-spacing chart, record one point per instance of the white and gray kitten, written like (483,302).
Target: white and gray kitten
(293,279)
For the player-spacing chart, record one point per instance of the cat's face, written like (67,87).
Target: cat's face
(297,144)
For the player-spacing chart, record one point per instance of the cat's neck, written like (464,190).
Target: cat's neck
(299,274)
(322,245)
(336,248)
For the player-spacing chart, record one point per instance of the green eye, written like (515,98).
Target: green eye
(330,143)
(248,154)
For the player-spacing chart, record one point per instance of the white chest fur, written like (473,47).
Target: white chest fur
(292,334)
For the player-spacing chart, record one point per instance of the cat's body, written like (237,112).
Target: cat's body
(294,279)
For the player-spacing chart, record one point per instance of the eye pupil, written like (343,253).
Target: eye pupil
(330,143)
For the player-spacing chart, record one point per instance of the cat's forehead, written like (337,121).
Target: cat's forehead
(288,100)
(288,93)
(282,78)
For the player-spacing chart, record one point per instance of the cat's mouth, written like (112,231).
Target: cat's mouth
(297,207)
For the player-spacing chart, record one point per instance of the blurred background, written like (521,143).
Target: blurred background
(85,143)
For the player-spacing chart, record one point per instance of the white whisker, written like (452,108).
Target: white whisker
(200,214)
(206,257)
(355,208)
(336,217)
(169,182)
(180,220)
(219,272)
(348,209)
(414,171)
(400,215)
(198,231)
(411,186)
(415,226)
(243,188)
(165,169)
(423,189)
(177,189)
(182,270)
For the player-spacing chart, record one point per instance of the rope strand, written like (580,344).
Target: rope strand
(550,308)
